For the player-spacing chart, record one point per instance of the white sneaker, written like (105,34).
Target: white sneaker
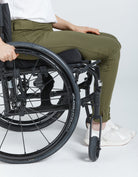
(112,135)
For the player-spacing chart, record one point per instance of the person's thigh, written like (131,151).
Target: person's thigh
(91,46)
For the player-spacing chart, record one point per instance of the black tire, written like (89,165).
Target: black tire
(8,153)
(94,148)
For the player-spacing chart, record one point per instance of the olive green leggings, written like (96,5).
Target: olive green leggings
(92,47)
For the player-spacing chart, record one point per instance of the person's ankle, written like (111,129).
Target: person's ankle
(96,126)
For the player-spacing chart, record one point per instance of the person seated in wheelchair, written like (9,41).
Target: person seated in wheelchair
(29,26)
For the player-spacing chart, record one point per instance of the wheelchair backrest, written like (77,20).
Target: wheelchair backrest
(5,23)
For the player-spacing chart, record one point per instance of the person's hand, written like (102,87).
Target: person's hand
(7,52)
(84,29)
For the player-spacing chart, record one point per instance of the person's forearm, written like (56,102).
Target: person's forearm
(63,24)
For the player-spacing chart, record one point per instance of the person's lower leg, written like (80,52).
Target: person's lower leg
(108,73)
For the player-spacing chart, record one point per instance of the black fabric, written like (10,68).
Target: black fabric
(1,22)
(45,93)
(71,56)
(5,23)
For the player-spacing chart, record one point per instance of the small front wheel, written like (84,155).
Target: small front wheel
(94,148)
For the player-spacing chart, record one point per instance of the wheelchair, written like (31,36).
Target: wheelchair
(40,99)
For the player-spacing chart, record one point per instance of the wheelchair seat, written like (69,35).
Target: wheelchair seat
(71,56)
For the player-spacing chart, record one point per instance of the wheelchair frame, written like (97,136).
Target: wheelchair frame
(71,73)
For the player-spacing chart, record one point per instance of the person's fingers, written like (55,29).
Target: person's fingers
(92,30)
(88,30)
(7,53)
(2,59)
(14,56)
(97,32)
(12,47)
(9,57)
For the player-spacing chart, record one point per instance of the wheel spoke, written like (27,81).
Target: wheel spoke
(59,120)
(38,129)
(36,113)
(22,135)
(2,113)
(6,132)
(33,70)
(32,89)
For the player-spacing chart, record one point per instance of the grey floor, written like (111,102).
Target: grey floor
(72,159)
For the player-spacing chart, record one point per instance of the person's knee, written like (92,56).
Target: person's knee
(114,46)
(117,41)
(112,37)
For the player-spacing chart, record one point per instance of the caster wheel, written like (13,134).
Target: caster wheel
(94,148)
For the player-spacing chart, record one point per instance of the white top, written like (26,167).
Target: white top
(34,10)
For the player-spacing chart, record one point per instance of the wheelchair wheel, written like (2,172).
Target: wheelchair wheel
(22,105)
(94,148)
